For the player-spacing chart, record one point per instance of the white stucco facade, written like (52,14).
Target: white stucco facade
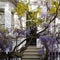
(7,8)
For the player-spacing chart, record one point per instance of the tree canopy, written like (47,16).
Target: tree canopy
(23,8)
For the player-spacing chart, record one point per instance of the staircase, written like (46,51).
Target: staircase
(31,53)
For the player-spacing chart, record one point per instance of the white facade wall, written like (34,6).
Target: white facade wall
(8,17)
(7,7)
(16,21)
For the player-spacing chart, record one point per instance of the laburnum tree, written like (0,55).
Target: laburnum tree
(31,31)
(21,10)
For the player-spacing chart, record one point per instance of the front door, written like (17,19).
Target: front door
(33,42)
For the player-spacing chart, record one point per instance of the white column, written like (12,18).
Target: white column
(56,23)
(23,19)
(7,16)
(16,21)
(38,42)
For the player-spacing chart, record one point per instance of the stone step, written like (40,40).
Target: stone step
(31,56)
(31,59)
(32,49)
(31,53)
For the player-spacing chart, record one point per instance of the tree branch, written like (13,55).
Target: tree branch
(50,20)
(42,30)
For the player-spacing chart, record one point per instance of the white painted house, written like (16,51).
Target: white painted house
(6,14)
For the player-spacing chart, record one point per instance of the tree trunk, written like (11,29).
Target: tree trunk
(47,50)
